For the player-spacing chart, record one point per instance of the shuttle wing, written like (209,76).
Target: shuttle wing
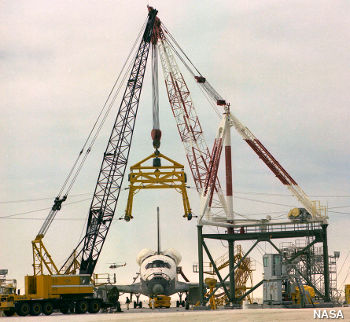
(184,287)
(131,288)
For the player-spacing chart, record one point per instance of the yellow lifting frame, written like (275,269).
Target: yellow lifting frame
(157,177)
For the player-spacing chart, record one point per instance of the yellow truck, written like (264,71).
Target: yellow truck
(159,301)
(7,290)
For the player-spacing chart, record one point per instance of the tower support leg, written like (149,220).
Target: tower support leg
(231,251)
(229,200)
(200,264)
(325,264)
(228,171)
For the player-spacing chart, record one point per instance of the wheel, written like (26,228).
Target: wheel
(113,296)
(140,305)
(81,307)
(94,306)
(189,216)
(183,304)
(47,308)
(65,306)
(35,309)
(22,309)
(135,305)
(177,303)
(64,309)
(10,312)
(187,306)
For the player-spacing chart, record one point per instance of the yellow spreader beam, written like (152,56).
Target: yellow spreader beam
(156,176)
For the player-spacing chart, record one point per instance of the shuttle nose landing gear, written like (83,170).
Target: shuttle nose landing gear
(180,302)
(138,303)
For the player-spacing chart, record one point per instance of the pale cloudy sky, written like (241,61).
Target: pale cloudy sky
(283,65)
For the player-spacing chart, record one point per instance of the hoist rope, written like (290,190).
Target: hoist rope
(180,57)
(155,92)
(178,46)
(208,95)
(213,94)
(89,142)
(93,134)
(111,103)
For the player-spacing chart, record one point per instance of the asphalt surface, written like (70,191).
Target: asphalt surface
(180,314)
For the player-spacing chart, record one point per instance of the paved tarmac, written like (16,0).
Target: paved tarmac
(182,315)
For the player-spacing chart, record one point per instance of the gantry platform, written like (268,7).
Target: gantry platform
(316,232)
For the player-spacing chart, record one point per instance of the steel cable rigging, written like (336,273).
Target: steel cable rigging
(90,140)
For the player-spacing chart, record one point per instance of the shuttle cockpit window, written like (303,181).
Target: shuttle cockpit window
(157,263)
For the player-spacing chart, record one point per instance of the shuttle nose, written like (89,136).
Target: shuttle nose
(158,289)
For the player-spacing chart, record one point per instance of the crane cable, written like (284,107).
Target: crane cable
(177,45)
(204,84)
(207,95)
(97,126)
(89,142)
(156,133)
(126,73)
(155,91)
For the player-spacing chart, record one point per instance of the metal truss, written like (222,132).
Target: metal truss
(316,230)
(115,158)
(188,125)
(41,258)
(310,263)
(313,207)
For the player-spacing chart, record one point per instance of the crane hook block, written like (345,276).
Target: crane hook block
(156,135)
(156,163)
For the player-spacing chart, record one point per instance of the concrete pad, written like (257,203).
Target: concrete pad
(181,315)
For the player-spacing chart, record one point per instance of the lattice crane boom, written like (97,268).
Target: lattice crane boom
(188,124)
(314,208)
(115,158)
(316,211)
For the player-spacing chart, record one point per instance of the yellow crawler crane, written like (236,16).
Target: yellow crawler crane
(44,293)
(157,176)
(243,275)
(62,289)
(48,288)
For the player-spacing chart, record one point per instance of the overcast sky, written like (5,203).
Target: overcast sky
(283,65)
